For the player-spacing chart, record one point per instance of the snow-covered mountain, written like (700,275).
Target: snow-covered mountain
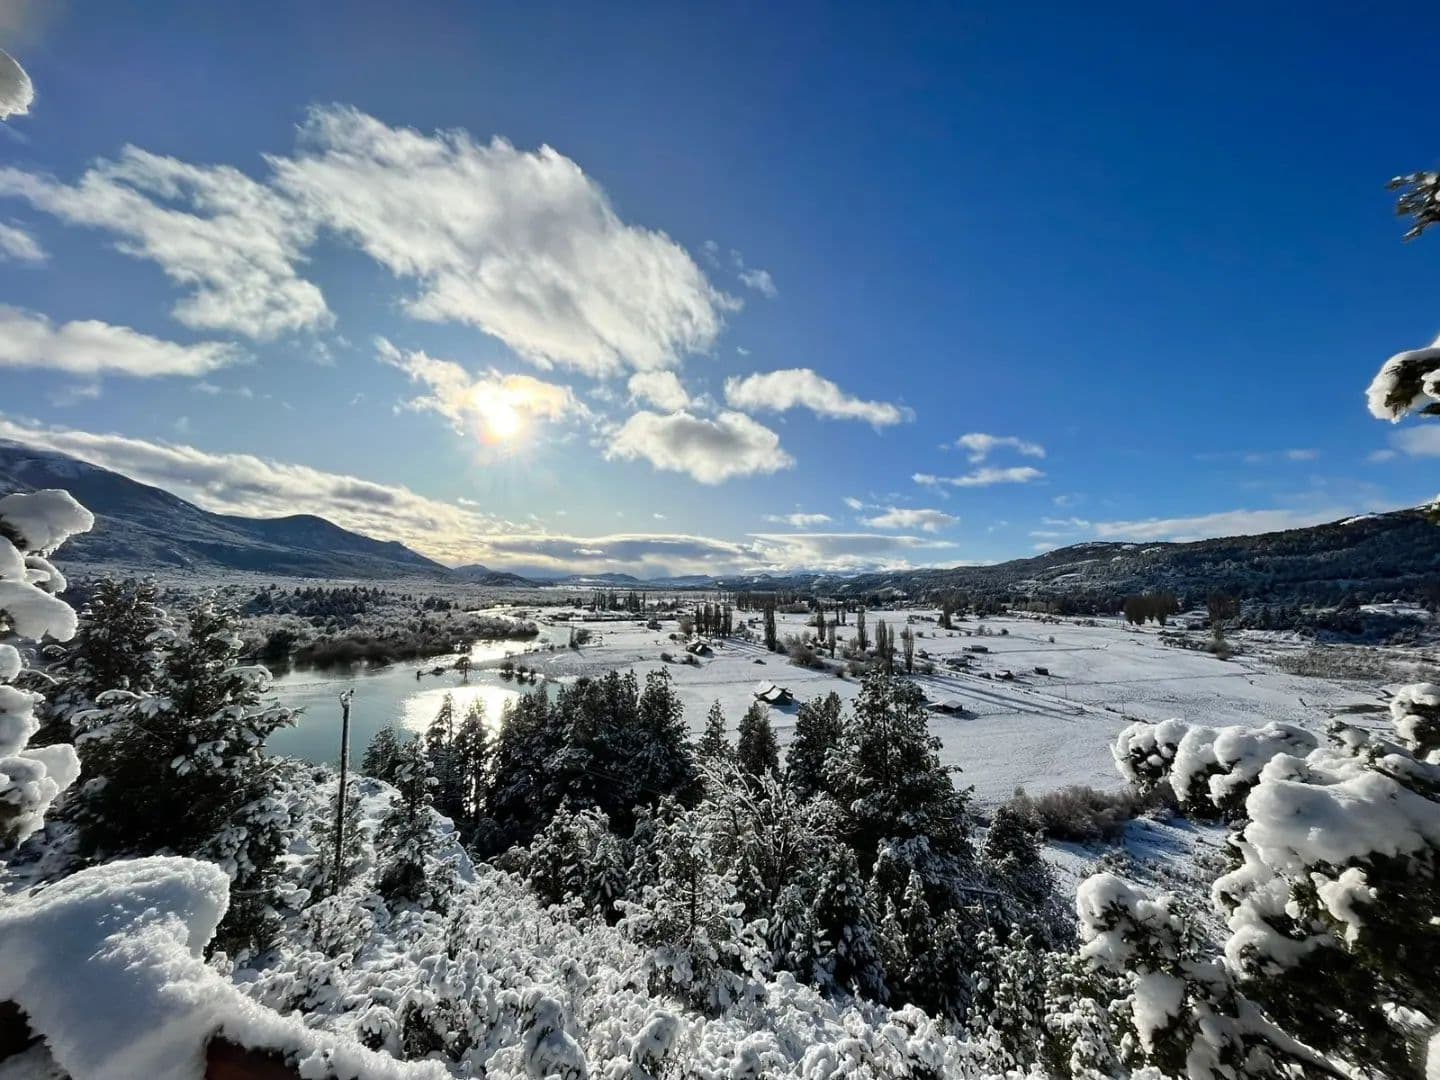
(140,526)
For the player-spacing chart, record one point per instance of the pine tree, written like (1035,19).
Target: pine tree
(323,874)
(889,777)
(862,640)
(405,841)
(183,769)
(850,955)
(714,745)
(118,645)
(690,919)
(472,760)
(757,752)
(819,728)
(449,796)
(382,755)
(772,638)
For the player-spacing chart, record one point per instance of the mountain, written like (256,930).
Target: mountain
(1394,556)
(140,526)
(477,574)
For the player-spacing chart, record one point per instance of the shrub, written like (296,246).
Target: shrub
(1085,814)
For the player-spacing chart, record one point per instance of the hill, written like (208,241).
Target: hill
(1376,557)
(140,526)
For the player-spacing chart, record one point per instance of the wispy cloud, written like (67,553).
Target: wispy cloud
(1221,523)
(17,245)
(981,445)
(905,518)
(790,388)
(800,520)
(232,241)
(90,347)
(521,244)
(983,477)
(492,406)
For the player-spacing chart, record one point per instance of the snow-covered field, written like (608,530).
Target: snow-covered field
(1039,731)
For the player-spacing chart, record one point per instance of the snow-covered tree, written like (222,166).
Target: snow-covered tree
(472,760)
(888,778)
(576,859)
(757,752)
(31,527)
(449,793)
(182,769)
(354,853)
(382,755)
(1184,1015)
(819,727)
(1333,906)
(405,843)
(714,744)
(119,644)
(690,919)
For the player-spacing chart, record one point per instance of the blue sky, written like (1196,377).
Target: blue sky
(1150,255)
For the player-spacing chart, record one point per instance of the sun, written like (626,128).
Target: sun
(503,420)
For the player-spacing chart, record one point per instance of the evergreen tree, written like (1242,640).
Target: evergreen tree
(323,876)
(889,778)
(449,796)
(819,728)
(772,637)
(714,745)
(690,919)
(183,770)
(907,644)
(472,761)
(862,640)
(757,752)
(118,645)
(405,841)
(382,755)
(849,956)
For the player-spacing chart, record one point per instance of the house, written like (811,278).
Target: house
(951,705)
(771,694)
(699,648)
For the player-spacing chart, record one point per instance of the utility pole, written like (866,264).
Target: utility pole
(344,776)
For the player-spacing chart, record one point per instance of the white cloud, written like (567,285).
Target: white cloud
(902,518)
(847,551)
(853,503)
(1375,457)
(492,406)
(1223,523)
(1420,441)
(90,347)
(710,451)
(761,282)
(659,388)
(260,487)
(18,245)
(985,477)
(17,93)
(780,391)
(799,520)
(1067,523)
(521,244)
(980,445)
(232,241)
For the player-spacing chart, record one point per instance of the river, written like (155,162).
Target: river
(388,694)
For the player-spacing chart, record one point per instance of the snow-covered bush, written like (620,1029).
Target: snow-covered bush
(1210,770)
(1144,753)
(31,527)
(1333,907)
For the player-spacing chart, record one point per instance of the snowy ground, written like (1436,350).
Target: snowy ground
(1039,731)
